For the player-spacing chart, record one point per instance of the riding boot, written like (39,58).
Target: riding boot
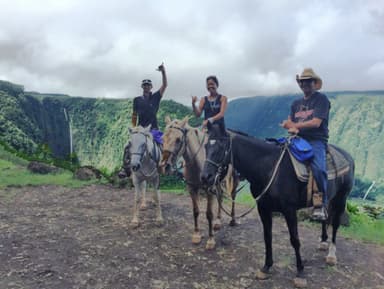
(319,207)
(125,171)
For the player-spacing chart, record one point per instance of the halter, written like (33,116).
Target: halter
(146,151)
(183,146)
(221,165)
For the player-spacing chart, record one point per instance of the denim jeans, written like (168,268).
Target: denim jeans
(319,167)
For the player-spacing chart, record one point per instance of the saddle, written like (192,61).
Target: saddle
(157,152)
(337,165)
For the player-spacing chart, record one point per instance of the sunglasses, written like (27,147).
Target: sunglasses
(306,81)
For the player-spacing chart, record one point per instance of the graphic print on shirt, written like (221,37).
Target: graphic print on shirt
(304,113)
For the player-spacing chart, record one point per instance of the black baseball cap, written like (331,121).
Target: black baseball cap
(146,81)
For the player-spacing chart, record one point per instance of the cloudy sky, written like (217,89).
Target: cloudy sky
(105,48)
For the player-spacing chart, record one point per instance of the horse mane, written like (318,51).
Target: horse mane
(238,132)
(140,129)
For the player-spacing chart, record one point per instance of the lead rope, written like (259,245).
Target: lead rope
(262,193)
(148,154)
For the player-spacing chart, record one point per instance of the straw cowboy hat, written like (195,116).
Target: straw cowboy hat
(308,73)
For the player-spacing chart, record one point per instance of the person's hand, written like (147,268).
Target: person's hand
(161,67)
(205,123)
(293,130)
(287,124)
(194,99)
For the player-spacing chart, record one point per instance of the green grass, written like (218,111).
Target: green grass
(365,228)
(13,172)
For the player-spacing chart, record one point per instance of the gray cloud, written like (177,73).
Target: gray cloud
(91,48)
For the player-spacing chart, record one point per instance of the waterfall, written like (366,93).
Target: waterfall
(70,131)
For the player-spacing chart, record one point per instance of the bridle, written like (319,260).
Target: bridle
(222,165)
(182,147)
(141,154)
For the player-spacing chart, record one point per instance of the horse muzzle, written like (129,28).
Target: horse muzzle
(207,179)
(135,167)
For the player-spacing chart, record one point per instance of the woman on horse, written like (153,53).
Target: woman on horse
(214,105)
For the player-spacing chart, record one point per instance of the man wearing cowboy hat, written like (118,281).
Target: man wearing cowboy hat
(144,113)
(309,120)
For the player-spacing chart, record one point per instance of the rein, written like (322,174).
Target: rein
(146,151)
(220,166)
(184,145)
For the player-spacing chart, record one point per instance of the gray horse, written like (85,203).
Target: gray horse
(145,156)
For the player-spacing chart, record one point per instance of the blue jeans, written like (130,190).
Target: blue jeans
(319,167)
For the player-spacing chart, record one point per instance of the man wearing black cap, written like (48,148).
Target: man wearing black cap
(145,108)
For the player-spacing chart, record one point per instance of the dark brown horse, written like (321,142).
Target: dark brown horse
(255,160)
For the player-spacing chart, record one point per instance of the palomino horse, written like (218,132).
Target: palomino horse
(145,156)
(277,186)
(182,140)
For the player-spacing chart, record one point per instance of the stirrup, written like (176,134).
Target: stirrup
(319,214)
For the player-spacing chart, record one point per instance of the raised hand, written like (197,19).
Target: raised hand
(161,67)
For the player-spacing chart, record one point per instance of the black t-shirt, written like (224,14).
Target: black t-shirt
(317,106)
(146,109)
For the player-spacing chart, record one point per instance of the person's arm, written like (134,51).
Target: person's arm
(197,110)
(164,79)
(134,119)
(134,114)
(313,123)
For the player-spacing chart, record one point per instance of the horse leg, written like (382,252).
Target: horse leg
(324,236)
(291,219)
(211,240)
(143,205)
(233,221)
(217,224)
(137,186)
(196,237)
(338,211)
(266,219)
(156,197)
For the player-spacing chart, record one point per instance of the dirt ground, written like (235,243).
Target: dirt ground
(61,238)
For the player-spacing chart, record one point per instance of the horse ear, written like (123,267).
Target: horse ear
(184,121)
(167,120)
(148,128)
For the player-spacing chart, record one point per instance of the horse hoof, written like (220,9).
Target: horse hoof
(143,207)
(234,223)
(323,246)
(210,244)
(300,282)
(159,221)
(196,238)
(217,227)
(331,260)
(260,275)
(135,224)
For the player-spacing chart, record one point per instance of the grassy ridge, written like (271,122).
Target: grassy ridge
(14,172)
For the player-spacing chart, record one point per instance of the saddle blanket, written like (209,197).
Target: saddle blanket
(337,165)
